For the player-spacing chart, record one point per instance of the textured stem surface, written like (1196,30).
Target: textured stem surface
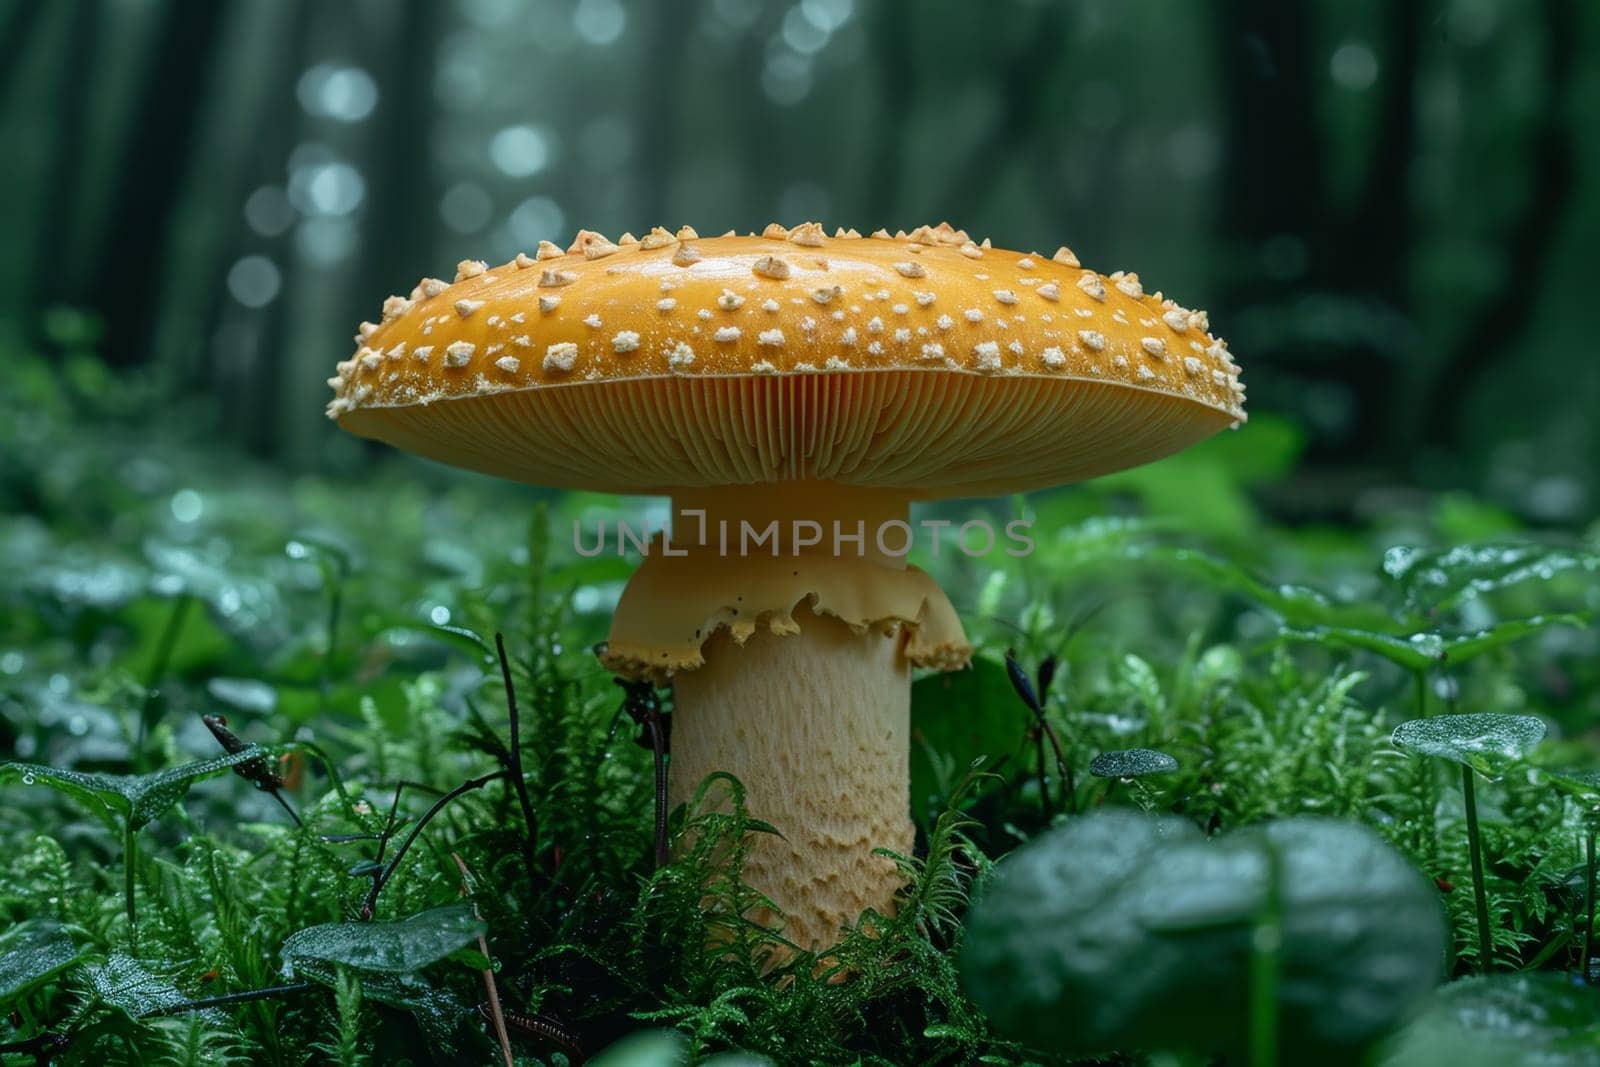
(817,727)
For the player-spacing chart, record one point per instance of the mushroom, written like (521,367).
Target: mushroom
(807,389)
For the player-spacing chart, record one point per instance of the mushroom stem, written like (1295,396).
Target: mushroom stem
(816,726)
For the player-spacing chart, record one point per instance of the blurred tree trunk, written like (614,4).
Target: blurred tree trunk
(1273,179)
(127,286)
(1021,106)
(1288,250)
(1500,320)
(249,384)
(897,80)
(1380,234)
(58,254)
(759,139)
(402,191)
(660,92)
(311,326)
(16,34)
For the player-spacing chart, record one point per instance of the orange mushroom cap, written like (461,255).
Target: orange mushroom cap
(924,362)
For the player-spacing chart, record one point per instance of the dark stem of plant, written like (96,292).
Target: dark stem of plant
(387,872)
(284,803)
(257,771)
(130,863)
(43,1047)
(658,751)
(643,706)
(393,818)
(165,644)
(1480,893)
(335,606)
(1426,783)
(1025,690)
(1062,770)
(225,999)
(518,784)
(1265,966)
(1588,902)
(1044,778)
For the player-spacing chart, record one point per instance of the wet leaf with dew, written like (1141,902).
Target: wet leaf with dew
(137,798)
(31,953)
(398,947)
(1487,743)
(1132,763)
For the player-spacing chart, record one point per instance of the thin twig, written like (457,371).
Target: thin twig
(495,1014)
(1043,773)
(335,608)
(1588,903)
(256,771)
(1024,687)
(529,841)
(392,821)
(658,750)
(225,999)
(644,708)
(439,805)
(284,803)
(1480,892)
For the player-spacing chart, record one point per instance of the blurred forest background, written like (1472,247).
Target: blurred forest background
(1389,207)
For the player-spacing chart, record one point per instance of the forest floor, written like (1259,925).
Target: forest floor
(344,870)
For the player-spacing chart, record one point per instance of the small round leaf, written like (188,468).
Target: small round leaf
(1540,1018)
(1132,763)
(1121,931)
(1486,743)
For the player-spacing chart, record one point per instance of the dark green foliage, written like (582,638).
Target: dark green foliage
(955,719)
(346,628)
(1119,930)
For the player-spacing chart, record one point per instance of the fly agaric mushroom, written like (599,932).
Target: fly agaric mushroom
(799,387)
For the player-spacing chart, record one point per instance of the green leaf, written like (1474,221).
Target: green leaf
(398,947)
(1131,763)
(649,1048)
(31,953)
(1296,605)
(956,718)
(461,637)
(1203,487)
(124,983)
(437,1011)
(1118,930)
(1539,1018)
(1486,743)
(1582,784)
(1432,581)
(137,798)
(1423,651)
(737,1059)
